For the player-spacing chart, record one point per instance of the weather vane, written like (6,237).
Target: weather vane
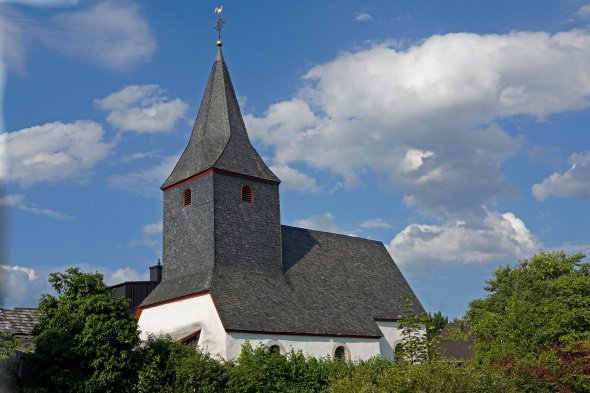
(219,25)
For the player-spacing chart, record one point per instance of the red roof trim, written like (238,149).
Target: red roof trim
(221,172)
(176,299)
(386,319)
(201,174)
(299,334)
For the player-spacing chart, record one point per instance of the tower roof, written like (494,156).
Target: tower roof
(219,139)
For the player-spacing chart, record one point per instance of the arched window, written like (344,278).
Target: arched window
(187,197)
(341,353)
(247,195)
(275,349)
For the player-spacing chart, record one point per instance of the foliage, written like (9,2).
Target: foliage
(535,322)
(85,337)
(8,364)
(540,301)
(414,346)
(430,377)
(169,366)
(262,370)
(435,324)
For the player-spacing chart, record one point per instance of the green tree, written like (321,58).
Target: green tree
(414,345)
(436,323)
(86,337)
(8,364)
(535,312)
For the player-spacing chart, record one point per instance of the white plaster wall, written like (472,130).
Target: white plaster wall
(183,317)
(392,336)
(316,346)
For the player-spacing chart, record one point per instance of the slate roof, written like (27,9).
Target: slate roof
(320,284)
(219,138)
(331,284)
(19,321)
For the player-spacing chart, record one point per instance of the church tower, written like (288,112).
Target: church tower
(221,201)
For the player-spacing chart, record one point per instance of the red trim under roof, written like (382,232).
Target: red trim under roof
(386,319)
(221,172)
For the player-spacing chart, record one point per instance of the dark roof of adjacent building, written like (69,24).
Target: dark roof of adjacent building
(454,349)
(219,139)
(135,291)
(330,284)
(19,321)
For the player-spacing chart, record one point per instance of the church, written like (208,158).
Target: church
(232,273)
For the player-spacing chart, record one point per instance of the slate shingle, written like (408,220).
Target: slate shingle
(331,284)
(19,321)
(219,138)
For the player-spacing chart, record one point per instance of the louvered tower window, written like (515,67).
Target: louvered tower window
(247,195)
(187,197)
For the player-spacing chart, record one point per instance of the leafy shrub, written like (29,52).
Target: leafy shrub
(169,366)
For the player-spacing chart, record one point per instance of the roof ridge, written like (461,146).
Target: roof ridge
(334,233)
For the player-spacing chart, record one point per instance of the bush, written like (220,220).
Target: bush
(432,377)
(262,370)
(169,366)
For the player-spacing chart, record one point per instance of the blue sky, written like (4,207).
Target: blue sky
(453,131)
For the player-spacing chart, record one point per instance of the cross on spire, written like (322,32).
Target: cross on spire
(219,25)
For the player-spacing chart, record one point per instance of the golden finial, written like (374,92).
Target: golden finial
(219,25)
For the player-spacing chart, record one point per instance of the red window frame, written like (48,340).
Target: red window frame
(187,197)
(247,194)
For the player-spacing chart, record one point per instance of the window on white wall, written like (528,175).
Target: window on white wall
(341,353)
(276,347)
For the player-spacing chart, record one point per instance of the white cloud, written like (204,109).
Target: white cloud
(22,286)
(11,200)
(146,181)
(414,159)
(320,222)
(51,152)
(111,34)
(150,229)
(376,223)
(15,35)
(575,182)
(113,277)
(294,179)
(142,108)
(17,200)
(583,11)
(29,272)
(140,155)
(425,116)
(19,286)
(363,17)
(497,238)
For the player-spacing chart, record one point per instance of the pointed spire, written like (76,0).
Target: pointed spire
(219,138)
